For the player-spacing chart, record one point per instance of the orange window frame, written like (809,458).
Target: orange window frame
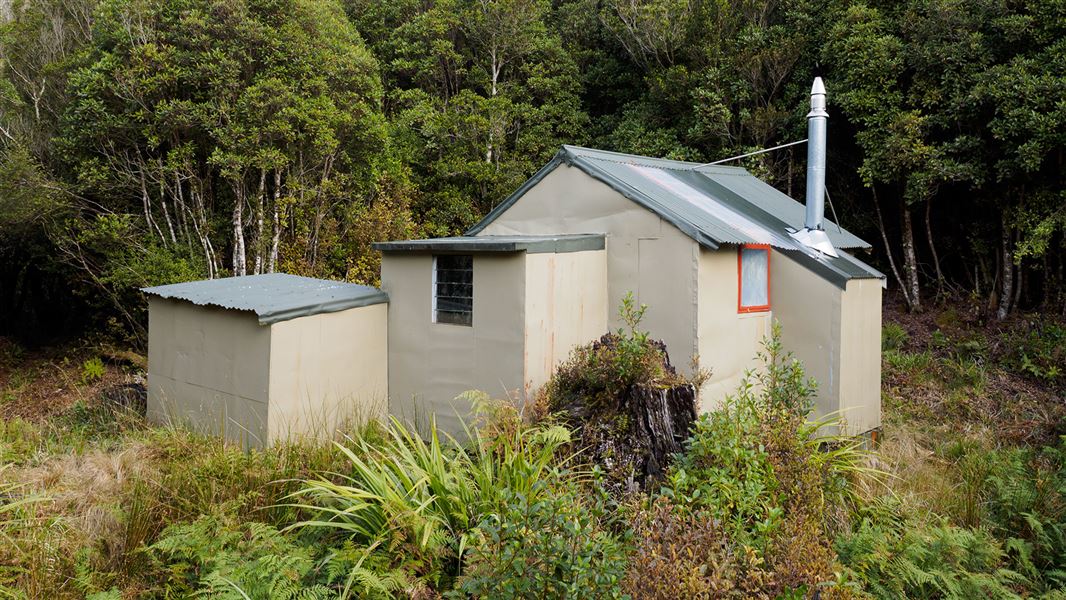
(740,279)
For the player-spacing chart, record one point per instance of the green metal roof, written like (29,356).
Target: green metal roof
(273,297)
(713,205)
(530,244)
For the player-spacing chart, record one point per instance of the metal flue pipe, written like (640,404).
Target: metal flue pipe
(816,126)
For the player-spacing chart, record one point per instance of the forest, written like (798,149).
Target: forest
(145,142)
(152,141)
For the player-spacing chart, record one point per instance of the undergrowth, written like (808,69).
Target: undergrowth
(964,497)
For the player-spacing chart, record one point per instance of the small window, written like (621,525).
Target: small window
(753,266)
(453,289)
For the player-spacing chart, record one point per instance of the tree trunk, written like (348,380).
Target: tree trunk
(147,201)
(257,242)
(272,262)
(932,248)
(1007,268)
(239,264)
(910,261)
(888,249)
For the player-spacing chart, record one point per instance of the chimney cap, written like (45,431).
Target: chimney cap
(818,87)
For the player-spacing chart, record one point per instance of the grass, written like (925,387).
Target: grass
(93,500)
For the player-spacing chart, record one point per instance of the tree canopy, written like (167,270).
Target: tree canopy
(149,141)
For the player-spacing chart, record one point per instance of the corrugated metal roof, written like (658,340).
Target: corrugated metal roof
(273,297)
(711,204)
(531,244)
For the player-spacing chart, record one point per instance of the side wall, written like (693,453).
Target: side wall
(728,340)
(809,310)
(645,254)
(327,370)
(566,305)
(430,364)
(860,371)
(208,369)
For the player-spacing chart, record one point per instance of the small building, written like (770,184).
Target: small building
(716,253)
(265,357)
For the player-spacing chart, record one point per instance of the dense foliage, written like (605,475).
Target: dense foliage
(161,140)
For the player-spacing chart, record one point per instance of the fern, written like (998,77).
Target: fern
(213,557)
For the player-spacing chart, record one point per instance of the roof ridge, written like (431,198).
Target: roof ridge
(691,165)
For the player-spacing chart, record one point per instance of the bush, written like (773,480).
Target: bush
(92,370)
(549,543)
(411,506)
(1039,350)
(684,554)
(758,471)
(598,374)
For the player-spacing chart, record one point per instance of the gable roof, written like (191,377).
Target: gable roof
(273,297)
(713,205)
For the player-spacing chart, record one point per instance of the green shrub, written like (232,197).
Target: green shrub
(411,505)
(92,370)
(1038,350)
(549,543)
(596,375)
(628,405)
(757,468)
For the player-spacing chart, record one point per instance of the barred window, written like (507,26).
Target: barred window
(453,289)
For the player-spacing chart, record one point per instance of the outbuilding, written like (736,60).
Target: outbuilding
(267,357)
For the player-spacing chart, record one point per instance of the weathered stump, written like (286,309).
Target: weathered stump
(635,442)
(664,418)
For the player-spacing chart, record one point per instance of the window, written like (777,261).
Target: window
(753,273)
(453,289)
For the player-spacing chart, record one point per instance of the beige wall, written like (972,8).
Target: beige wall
(208,369)
(566,305)
(860,349)
(645,254)
(327,371)
(809,310)
(432,363)
(728,340)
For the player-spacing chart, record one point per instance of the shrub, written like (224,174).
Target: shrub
(1039,350)
(549,543)
(92,370)
(411,504)
(757,469)
(597,375)
(683,554)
